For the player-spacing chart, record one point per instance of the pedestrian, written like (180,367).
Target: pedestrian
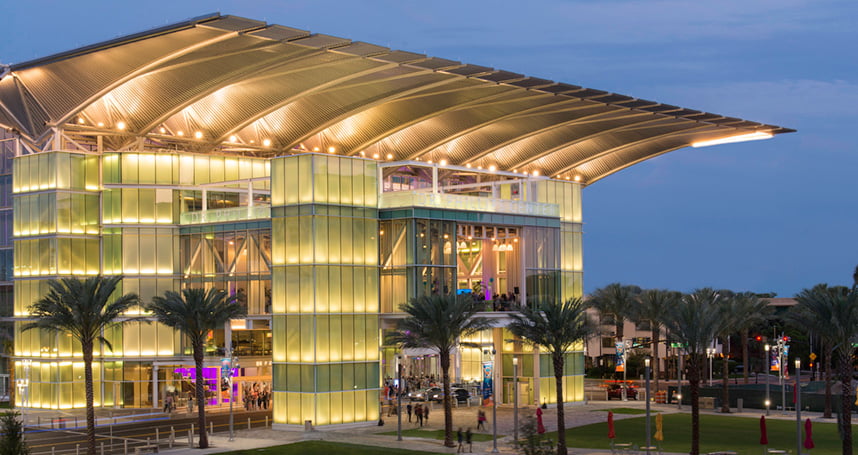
(190,403)
(408,410)
(418,412)
(168,403)
(469,438)
(481,420)
(426,412)
(459,436)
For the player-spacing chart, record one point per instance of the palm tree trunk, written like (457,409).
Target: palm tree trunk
(827,365)
(86,347)
(201,396)
(444,355)
(655,333)
(746,356)
(845,373)
(559,361)
(694,384)
(725,390)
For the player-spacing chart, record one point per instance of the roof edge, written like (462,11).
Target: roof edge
(188,23)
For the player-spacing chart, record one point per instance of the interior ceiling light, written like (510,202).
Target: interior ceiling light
(756,136)
(198,134)
(443,162)
(315,149)
(100,124)
(468,165)
(535,173)
(120,125)
(266,142)
(162,130)
(332,149)
(390,156)
(493,168)
(375,155)
(80,120)
(233,138)
(577,178)
(180,133)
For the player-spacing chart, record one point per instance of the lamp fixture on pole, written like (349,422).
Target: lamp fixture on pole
(515,398)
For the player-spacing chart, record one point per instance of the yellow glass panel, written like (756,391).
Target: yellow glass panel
(336,344)
(280,408)
(306,286)
(323,285)
(348,407)
(323,409)
(320,179)
(293,297)
(322,339)
(359,292)
(333,180)
(337,406)
(357,182)
(278,186)
(321,238)
(305,179)
(278,290)
(280,339)
(292,242)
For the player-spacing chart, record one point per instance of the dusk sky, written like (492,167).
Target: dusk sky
(768,216)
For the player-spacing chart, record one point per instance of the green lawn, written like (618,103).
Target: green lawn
(438,434)
(621,411)
(716,433)
(327,448)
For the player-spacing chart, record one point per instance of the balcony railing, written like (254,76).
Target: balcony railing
(467,203)
(223,215)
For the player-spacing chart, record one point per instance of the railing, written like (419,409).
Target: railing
(467,203)
(221,215)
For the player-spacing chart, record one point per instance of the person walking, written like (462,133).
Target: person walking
(481,420)
(408,410)
(426,412)
(460,437)
(190,403)
(469,438)
(418,412)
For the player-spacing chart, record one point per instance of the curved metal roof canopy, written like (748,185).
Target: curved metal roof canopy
(227,84)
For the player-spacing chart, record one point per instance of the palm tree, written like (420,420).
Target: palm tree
(813,315)
(752,311)
(437,322)
(654,307)
(835,315)
(694,322)
(195,312)
(554,327)
(727,305)
(616,303)
(82,309)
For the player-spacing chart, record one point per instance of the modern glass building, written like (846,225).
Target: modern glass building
(321,181)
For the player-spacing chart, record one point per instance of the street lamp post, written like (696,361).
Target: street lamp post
(515,398)
(710,352)
(494,404)
(797,406)
(399,398)
(782,374)
(766,368)
(625,368)
(233,361)
(646,372)
(679,378)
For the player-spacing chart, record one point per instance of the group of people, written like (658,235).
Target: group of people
(468,439)
(256,397)
(421,413)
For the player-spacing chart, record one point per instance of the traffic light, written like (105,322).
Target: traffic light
(759,338)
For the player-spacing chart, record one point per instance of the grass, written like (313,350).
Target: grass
(5,405)
(738,434)
(621,411)
(438,434)
(327,448)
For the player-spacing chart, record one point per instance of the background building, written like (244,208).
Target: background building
(323,182)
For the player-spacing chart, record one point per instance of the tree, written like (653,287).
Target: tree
(694,322)
(751,311)
(727,306)
(437,322)
(813,315)
(194,313)
(835,315)
(12,435)
(554,327)
(616,303)
(82,309)
(654,307)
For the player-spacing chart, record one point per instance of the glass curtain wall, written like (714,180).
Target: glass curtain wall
(325,295)
(418,257)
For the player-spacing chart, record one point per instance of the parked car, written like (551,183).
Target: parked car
(616,391)
(423,394)
(458,393)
